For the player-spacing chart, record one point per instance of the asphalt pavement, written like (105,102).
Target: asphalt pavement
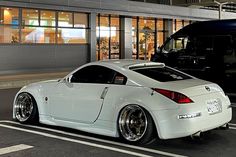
(18,140)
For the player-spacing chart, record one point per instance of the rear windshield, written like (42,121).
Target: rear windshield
(162,74)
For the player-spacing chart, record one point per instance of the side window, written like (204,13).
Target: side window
(93,74)
(230,54)
(204,45)
(223,44)
(119,79)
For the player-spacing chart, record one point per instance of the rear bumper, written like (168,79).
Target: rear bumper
(170,125)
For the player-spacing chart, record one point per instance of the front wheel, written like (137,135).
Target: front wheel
(135,125)
(25,108)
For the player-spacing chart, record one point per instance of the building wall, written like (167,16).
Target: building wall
(122,7)
(35,57)
(41,57)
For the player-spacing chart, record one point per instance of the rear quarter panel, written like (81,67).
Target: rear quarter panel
(119,96)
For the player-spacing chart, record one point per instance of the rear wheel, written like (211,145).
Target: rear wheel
(25,108)
(135,125)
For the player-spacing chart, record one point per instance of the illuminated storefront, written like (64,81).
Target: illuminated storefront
(147,33)
(55,35)
(19,25)
(108,36)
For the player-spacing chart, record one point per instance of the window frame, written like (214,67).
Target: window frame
(104,46)
(113,74)
(13,25)
(56,27)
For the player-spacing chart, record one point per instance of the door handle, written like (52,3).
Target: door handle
(104,92)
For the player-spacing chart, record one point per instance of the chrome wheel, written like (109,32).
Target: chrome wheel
(23,107)
(132,123)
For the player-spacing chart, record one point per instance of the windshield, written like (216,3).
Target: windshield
(176,44)
(162,74)
(186,45)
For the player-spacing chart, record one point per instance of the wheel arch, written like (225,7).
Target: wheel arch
(36,97)
(145,108)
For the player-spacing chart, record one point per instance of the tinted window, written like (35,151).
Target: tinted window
(98,74)
(119,79)
(93,74)
(162,74)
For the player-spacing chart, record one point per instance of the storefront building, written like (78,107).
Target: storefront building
(63,34)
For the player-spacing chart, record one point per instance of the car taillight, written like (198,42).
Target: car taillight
(175,96)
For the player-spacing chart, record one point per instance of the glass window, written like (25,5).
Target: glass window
(179,25)
(71,35)
(134,38)
(108,36)
(9,16)
(115,44)
(115,23)
(160,38)
(65,19)
(30,17)
(104,44)
(81,20)
(146,38)
(151,24)
(104,22)
(119,79)
(9,34)
(47,18)
(93,74)
(162,74)
(38,35)
(160,24)
(134,24)
(186,23)
(44,31)
(98,38)
(104,35)
(145,24)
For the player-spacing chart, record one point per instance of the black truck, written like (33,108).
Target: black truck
(206,50)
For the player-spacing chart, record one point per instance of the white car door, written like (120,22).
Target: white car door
(81,98)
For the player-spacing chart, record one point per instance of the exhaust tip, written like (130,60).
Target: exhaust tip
(225,126)
(197,136)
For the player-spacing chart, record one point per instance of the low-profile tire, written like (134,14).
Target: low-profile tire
(25,108)
(135,125)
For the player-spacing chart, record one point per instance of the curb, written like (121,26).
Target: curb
(20,83)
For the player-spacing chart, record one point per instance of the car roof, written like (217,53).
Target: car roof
(129,63)
(208,28)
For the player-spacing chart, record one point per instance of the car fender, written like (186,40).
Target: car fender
(35,92)
(144,106)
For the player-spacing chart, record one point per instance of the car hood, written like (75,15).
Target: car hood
(41,83)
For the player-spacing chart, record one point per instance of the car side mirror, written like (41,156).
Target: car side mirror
(67,81)
(69,78)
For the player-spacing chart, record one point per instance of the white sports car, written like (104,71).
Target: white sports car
(131,99)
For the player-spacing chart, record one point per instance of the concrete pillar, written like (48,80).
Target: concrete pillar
(125,37)
(92,37)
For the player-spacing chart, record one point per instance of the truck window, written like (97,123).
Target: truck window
(195,46)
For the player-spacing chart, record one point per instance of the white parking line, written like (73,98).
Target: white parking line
(233,104)
(76,141)
(234,128)
(100,140)
(232,124)
(15,148)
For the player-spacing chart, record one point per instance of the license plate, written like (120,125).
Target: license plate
(213,106)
